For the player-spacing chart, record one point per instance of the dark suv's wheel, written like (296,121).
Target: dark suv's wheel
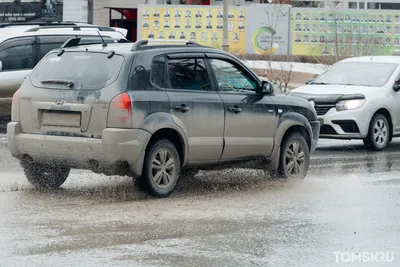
(294,157)
(378,133)
(161,169)
(45,176)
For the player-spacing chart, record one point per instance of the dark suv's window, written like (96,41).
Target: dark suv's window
(17,54)
(158,71)
(77,71)
(188,74)
(230,77)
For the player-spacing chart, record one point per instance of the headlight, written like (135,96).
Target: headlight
(349,104)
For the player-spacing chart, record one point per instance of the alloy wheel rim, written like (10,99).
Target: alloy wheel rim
(295,158)
(163,168)
(380,132)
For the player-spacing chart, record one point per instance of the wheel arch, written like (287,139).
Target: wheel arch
(290,122)
(161,125)
(385,112)
(287,124)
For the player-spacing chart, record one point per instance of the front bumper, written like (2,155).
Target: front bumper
(115,146)
(349,124)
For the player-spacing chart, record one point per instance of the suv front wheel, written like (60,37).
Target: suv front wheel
(161,169)
(294,157)
(45,176)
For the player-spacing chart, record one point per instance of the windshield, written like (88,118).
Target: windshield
(76,71)
(372,74)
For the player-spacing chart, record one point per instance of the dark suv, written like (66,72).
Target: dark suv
(153,111)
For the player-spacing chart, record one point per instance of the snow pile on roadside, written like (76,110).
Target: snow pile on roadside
(294,66)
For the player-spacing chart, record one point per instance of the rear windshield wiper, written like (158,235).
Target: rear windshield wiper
(66,82)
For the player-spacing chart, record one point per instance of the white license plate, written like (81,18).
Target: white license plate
(65,119)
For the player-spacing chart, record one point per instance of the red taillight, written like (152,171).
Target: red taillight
(124,104)
(15,98)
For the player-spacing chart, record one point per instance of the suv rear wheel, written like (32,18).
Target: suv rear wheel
(294,157)
(378,133)
(45,176)
(161,169)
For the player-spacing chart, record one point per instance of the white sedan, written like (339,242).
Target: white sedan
(358,98)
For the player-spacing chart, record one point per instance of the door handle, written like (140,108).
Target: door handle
(182,108)
(235,109)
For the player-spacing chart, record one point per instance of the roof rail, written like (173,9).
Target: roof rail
(139,44)
(5,25)
(74,27)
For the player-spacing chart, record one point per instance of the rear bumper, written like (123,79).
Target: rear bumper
(116,146)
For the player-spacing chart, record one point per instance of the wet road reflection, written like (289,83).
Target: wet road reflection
(348,202)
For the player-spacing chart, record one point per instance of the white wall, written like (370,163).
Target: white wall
(75,10)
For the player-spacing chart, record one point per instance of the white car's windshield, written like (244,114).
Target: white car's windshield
(374,74)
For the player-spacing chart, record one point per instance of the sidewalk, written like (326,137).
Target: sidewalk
(300,72)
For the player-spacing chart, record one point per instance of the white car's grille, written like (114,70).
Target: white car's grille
(322,109)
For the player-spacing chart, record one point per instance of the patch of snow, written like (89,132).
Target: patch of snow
(295,66)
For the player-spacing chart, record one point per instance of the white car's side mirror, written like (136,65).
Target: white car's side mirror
(1,66)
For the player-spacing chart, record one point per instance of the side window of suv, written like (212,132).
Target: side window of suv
(157,76)
(230,77)
(48,43)
(188,74)
(17,54)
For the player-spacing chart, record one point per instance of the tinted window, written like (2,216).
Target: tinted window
(45,48)
(77,70)
(158,71)
(189,74)
(48,43)
(17,54)
(230,77)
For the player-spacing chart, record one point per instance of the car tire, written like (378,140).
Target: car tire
(378,133)
(161,169)
(44,176)
(294,157)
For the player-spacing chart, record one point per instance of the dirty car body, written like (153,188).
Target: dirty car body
(160,111)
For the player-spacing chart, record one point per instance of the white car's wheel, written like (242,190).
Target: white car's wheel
(378,133)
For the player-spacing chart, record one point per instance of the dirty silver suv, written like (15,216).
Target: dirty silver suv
(154,111)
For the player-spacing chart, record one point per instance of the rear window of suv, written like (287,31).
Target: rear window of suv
(77,71)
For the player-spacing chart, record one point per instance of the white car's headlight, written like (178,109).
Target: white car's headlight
(349,104)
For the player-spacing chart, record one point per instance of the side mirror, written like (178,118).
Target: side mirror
(396,87)
(266,88)
(1,66)
(309,81)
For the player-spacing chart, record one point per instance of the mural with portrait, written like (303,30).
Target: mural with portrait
(203,25)
(350,33)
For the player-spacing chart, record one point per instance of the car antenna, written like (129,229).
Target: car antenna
(104,42)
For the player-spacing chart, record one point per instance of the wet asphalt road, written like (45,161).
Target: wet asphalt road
(349,202)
